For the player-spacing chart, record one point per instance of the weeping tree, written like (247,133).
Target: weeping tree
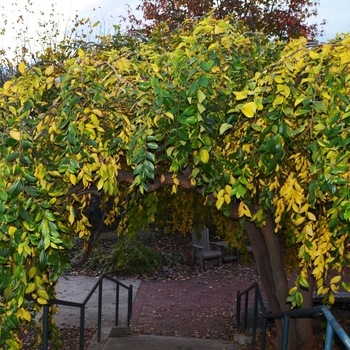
(253,131)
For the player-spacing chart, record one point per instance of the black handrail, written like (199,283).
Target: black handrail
(82,310)
(257,301)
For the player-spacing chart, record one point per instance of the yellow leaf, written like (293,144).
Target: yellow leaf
(49,70)
(169,115)
(219,29)
(299,100)
(220,202)
(278,79)
(215,69)
(97,112)
(241,209)
(71,215)
(314,55)
(8,85)
(15,135)
(12,230)
(41,301)
(334,287)
(241,95)
(54,173)
(204,155)
(94,119)
(249,109)
(81,53)
(311,216)
(201,96)
(309,230)
(50,81)
(336,279)
(286,91)
(227,198)
(73,179)
(173,189)
(22,68)
(30,288)
(23,313)
(32,272)
(155,67)
(299,220)
(278,101)
(345,58)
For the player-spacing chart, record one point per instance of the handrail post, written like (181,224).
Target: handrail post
(99,311)
(82,326)
(45,327)
(238,310)
(116,322)
(130,294)
(285,332)
(246,312)
(329,337)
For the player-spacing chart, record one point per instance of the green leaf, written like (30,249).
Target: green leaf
(203,81)
(15,189)
(5,280)
(152,145)
(193,88)
(183,134)
(189,111)
(3,195)
(175,166)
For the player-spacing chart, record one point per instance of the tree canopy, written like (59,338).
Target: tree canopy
(282,19)
(258,129)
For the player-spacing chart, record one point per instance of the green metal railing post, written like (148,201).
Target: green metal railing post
(285,332)
(130,294)
(45,327)
(116,322)
(99,312)
(329,337)
(82,321)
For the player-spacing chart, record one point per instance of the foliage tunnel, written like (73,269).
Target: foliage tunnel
(259,129)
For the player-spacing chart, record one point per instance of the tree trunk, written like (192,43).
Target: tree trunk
(261,256)
(268,254)
(304,325)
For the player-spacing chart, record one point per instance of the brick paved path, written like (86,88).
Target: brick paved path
(197,306)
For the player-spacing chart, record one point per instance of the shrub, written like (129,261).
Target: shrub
(132,257)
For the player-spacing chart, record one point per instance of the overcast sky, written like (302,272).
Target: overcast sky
(335,12)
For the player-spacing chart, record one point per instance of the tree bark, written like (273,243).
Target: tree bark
(261,256)
(304,325)
(279,277)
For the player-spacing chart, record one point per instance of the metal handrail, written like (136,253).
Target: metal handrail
(257,301)
(332,325)
(82,310)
